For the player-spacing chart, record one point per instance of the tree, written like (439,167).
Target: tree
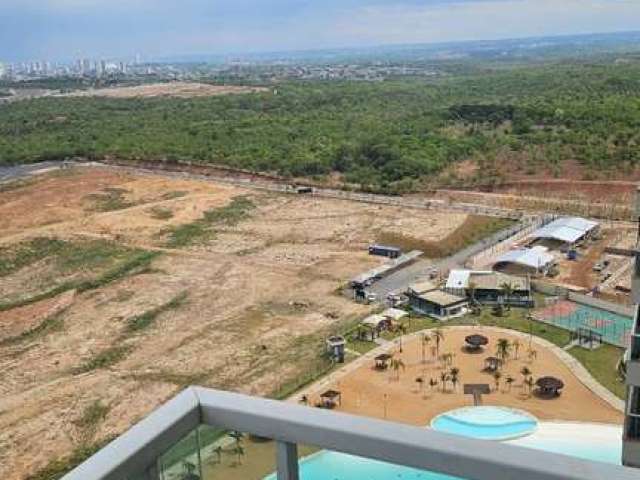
(426,339)
(433,383)
(420,383)
(507,292)
(496,378)
(438,336)
(503,348)
(526,373)
(237,437)
(516,347)
(454,373)
(509,381)
(396,365)
(532,355)
(529,384)
(444,378)
(472,291)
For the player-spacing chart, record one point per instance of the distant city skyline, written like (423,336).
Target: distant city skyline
(63,30)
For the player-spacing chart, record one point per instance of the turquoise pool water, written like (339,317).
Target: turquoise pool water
(486,423)
(591,442)
(613,327)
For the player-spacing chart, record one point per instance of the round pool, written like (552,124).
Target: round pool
(487,423)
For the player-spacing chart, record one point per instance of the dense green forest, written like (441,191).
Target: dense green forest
(375,133)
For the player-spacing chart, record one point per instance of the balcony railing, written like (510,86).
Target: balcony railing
(135,454)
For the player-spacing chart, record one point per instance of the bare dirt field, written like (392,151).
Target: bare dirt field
(364,390)
(173,89)
(173,282)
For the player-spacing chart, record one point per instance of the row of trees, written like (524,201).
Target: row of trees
(375,134)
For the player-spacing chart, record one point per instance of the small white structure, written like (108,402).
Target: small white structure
(394,314)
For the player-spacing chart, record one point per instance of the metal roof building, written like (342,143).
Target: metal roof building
(566,230)
(536,258)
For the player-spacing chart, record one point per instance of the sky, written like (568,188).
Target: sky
(68,29)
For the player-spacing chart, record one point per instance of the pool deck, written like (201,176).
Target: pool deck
(584,399)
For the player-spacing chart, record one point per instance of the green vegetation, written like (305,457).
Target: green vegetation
(67,256)
(161,213)
(204,228)
(104,359)
(379,135)
(148,318)
(57,468)
(602,364)
(53,323)
(137,261)
(473,229)
(516,319)
(110,199)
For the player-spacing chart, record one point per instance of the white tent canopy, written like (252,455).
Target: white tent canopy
(537,258)
(567,229)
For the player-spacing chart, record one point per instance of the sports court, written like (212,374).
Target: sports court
(613,327)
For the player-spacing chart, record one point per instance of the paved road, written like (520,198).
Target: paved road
(20,171)
(400,280)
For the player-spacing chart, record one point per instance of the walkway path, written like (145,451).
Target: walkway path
(570,362)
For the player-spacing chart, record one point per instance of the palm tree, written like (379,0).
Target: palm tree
(532,354)
(503,347)
(237,436)
(444,378)
(516,346)
(526,373)
(509,381)
(472,291)
(507,292)
(529,383)
(420,383)
(426,339)
(433,383)
(438,336)
(396,365)
(446,359)
(218,452)
(454,372)
(496,378)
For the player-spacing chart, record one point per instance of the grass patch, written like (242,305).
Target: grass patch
(140,261)
(13,185)
(161,213)
(17,257)
(172,195)
(51,324)
(602,364)
(56,469)
(516,319)
(204,228)
(181,380)
(104,359)
(109,200)
(92,415)
(474,228)
(148,318)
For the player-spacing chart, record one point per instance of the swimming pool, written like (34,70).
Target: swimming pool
(596,442)
(486,423)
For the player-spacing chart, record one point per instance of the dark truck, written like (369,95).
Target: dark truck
(384,251)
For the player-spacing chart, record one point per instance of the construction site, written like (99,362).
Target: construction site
(119,288)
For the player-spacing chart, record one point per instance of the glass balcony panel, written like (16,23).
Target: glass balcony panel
(227,455)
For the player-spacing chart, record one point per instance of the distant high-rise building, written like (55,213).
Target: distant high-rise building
(2,70)
(122,67)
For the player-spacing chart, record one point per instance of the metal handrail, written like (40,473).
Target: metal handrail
(135,453)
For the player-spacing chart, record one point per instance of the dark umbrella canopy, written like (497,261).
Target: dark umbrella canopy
(476,340)
(550,383)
